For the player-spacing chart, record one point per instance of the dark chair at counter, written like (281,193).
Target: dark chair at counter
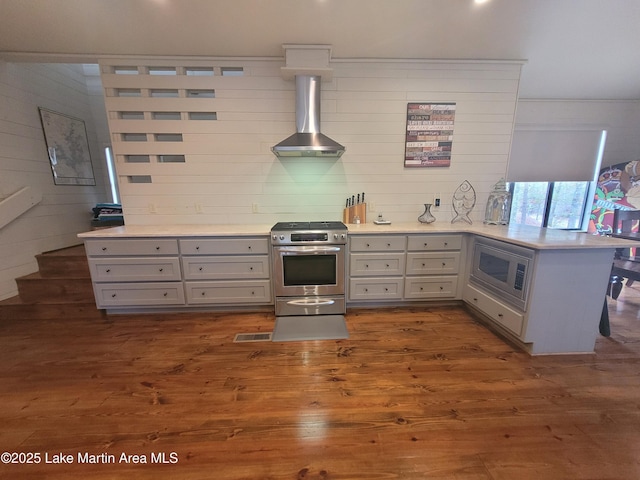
(626,265)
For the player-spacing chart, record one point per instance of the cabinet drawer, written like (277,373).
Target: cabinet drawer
(220,268)
(224,246)
(376,264)
(431,287)
(232,292)
(500,313)
(138,294)
(432,263)
(160,246)
(434,242)
(375,288)
(134,269)
(378,243)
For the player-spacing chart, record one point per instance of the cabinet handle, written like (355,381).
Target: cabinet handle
(202,293)
(388,245)
(157,248)
(500,315)
(386,289)
(162,269)
(252,292)
(200,269)
(444,264)
(426,244)
(368,245)
(249,247)
(423,265)
(441,288)
(475,299)
(108,270)
(104,249)
(366,266)
(421,289)
(113,295)
(366,290)
(446,243)
(165,294)
(387,265)
(197,247)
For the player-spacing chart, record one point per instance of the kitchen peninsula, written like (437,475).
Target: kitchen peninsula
(159,268)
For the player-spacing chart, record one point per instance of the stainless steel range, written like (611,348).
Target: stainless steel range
(309,268)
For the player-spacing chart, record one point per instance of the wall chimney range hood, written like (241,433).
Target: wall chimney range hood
(308,141)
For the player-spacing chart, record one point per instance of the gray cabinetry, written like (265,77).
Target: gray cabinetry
(376,267)
(226,271)
(135,272)
(497,311)
(144,273)
(433,266)
(404,267)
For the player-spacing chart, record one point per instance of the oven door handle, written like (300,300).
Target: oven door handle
(308,249)
(311,302)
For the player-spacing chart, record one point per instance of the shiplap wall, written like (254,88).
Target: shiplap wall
(64,210)
(229,174)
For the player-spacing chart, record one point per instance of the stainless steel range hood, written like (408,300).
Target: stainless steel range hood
(308,141)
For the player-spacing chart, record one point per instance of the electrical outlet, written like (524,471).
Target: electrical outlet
(152,208)
(436,200)
(372,206)
(199,208)
(254,207)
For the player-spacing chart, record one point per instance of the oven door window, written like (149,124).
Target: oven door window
(495,267)
(300,270)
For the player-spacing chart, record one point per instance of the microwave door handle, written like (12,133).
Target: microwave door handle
(311,303)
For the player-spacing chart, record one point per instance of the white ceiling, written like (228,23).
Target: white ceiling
(586,49)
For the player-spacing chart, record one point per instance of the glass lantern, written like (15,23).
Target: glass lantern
(498,205)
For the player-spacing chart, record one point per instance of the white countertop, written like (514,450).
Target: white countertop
(532,237)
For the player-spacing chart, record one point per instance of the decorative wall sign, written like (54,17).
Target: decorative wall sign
(68,148)
(429,134)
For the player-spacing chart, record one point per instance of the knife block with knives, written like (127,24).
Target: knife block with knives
(355,209)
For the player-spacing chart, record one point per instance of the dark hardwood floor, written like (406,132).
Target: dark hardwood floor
(413,394)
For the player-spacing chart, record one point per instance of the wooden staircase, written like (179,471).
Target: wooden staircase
(61,288)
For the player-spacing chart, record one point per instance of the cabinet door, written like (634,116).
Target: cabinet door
(434,242)
(432,263)
(377,243)
(376,264)
(230,292)
(444,286)
(224,246)
(115,269)
(373,289)
(498,312)
(138,294)
(230,267)
(120,247)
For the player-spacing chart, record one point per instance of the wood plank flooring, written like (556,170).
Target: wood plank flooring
(413,394)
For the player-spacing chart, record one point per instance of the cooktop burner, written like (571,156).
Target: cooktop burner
(302,226)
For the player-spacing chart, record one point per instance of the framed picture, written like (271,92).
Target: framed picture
(67,148)
(429,134)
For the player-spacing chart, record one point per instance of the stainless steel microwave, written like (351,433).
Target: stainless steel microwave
(502,268)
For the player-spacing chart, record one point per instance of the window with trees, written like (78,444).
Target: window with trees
(560,205)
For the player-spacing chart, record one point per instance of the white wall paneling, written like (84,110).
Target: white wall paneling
(64,210)
(228,166)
